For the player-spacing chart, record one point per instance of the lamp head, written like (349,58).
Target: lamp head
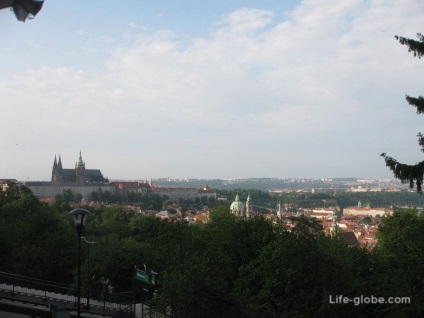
(80,217)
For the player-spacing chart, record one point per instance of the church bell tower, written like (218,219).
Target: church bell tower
(80,169)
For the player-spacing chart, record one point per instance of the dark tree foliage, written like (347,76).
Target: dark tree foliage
(401,259)
(405,172)
(226,267)
(35,239)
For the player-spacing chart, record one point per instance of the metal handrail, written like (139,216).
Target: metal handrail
(19,284)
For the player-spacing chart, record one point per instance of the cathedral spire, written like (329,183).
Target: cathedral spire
(80,162)
(59,164)
(54,170)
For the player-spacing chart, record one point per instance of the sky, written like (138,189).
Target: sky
(216,89)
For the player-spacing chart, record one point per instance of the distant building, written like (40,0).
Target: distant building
(322,214)
(249,206)
(78,180)
(358,189)
(132,187)
(206,192)
(4,183)
(239,209)
(175,194)
(46,189)
(366,211)
(78,174)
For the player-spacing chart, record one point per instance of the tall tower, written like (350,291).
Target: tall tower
(54,170)
(57,172)
(59,169)
(80,169)
(334,227)
(249,209)
(279,210)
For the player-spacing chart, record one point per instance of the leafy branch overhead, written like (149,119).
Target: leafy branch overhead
(404,172)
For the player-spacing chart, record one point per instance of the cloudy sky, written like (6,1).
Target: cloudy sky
(217,89)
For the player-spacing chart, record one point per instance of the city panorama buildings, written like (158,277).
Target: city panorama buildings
(86,181)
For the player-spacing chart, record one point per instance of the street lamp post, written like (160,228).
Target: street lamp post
(80,217)
(88,270)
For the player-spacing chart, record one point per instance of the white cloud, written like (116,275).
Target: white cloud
(330,68)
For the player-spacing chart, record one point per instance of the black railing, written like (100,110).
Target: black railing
(120,303)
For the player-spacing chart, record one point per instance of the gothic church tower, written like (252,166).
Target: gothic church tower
(80,169)
(57,172)
(54,170)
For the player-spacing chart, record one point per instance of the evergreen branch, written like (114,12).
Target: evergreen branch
(406,173)
(421,141)
(413,46)
(417,102)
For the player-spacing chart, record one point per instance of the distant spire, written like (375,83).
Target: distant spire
(80,159)
(54,170)
(237,197)
(59,164)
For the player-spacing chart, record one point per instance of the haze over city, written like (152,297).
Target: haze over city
(243,89)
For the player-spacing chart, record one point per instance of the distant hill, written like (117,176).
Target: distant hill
(264,184)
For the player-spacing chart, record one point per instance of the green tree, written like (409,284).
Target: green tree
(78,197)
(294,276)
(165,204)
(204,200)
(36,239)
(211,202)
(405,172)
(401,251)
(112,219)
(202,265)
(113,257)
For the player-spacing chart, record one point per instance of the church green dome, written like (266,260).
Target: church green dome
(237,207)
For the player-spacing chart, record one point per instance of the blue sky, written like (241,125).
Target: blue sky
(223,89)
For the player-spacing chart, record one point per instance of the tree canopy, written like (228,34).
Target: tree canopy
(226,267)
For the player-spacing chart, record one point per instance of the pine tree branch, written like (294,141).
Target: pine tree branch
(413,46)
(421,141)
(417,102)
(406,173)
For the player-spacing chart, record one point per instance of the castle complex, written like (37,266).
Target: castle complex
(79,174)
(86,181)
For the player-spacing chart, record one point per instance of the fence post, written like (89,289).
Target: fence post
(13,285)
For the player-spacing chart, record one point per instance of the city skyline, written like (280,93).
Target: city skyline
(305,89)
